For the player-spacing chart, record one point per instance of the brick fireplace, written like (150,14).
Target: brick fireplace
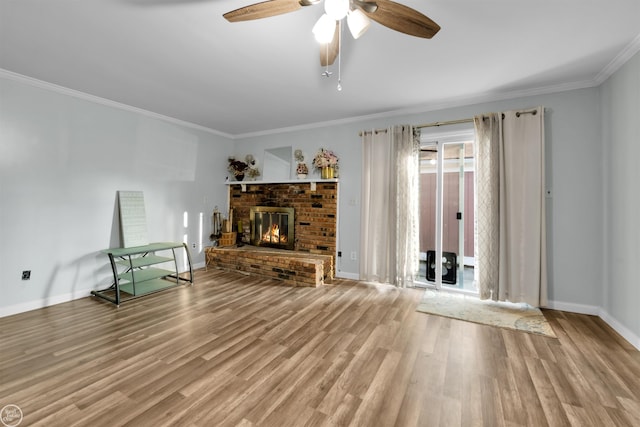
(316,212)
(312,258)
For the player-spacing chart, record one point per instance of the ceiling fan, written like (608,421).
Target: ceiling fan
(358,13)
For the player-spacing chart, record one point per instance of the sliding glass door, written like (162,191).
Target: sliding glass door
(447,212)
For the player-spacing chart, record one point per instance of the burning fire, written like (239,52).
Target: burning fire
(273,235)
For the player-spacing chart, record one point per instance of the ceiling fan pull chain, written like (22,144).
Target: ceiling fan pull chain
(326,72)
(339,87)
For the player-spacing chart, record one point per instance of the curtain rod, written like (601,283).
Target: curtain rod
(451,122)
(372,131)
(455,122)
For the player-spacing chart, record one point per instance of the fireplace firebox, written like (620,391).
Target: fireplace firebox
(272,227)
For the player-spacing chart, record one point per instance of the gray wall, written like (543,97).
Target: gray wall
(62,160)
(574,173)
(621,201)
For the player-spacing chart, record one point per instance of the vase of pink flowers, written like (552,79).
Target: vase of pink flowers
(327,162)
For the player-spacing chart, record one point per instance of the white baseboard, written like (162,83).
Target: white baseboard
(574,308)
(58,299)
(345,275)
(44,302)
(625,332)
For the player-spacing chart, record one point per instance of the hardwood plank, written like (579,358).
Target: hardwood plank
(234,350)
(374,397)
(318,393)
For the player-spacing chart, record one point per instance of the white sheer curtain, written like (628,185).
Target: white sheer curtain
(390,206)
(510,220)
(487,200)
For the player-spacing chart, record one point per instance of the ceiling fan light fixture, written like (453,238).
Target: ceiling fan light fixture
(358,23)
(336,9)
(324,29)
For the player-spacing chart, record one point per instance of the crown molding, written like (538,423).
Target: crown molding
(621,58)
(425,108)
(627,53)
(10,75)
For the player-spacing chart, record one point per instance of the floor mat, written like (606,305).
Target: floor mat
(520,317)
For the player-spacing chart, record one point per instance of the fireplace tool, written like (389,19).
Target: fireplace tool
(216,227)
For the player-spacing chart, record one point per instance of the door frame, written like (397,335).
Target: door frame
(438,138)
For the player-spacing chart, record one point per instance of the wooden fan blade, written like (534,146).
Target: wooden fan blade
(329,52)
(403,19)
(262,10)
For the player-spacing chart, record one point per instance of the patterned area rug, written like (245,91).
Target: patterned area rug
(521,317)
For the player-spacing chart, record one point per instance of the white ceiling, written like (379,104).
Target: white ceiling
(181,59)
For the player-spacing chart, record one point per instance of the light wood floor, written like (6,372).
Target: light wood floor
(233,350)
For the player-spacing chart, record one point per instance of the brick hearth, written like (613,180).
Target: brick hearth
(291,267)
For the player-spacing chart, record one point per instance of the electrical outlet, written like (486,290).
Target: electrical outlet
(354,255)
(26,275)
(193,245)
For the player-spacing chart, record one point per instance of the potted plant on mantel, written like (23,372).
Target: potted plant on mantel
(252,167)
(237,168)
(302,170)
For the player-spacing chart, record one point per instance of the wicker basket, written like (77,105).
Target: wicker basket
(227,239)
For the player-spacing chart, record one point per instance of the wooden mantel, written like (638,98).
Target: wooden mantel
(312,182)
(284,181)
